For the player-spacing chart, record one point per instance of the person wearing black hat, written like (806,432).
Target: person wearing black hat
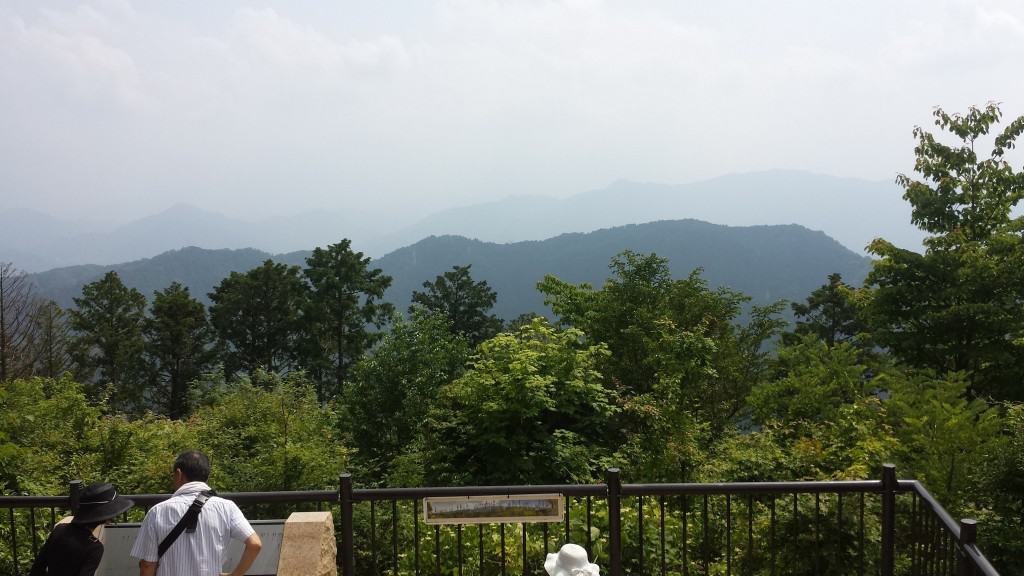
(71,549)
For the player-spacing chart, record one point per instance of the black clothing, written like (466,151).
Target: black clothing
(70,550)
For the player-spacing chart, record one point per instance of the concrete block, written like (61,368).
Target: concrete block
(308,547)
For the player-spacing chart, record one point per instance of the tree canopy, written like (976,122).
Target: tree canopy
(463,301)
(345,301)
(108,344)
(957,307)
(258,318)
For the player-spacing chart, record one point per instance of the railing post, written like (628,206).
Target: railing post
(888,519)
(968,536)
(74,493)
(614,522)
(348,566)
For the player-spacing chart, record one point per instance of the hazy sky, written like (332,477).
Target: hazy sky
(116,109)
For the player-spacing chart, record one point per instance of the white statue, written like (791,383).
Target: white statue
(571,560)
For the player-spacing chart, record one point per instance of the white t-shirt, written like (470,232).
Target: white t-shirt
(200,553)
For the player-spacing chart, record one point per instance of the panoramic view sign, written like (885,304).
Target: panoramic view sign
(493,509)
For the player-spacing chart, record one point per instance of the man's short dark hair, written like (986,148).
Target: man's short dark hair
(194,465)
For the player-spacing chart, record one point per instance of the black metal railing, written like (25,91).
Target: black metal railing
(866,527)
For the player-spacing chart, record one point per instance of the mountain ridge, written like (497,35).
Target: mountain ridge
(767,262)
(843,208)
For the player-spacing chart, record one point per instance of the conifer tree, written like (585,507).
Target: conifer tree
(108,341)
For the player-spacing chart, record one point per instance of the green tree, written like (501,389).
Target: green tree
(17,307)
(394,388)
(179,347)
(1001,490)
(530,409)
(47,426)
(957,307)
(813,381)
(108,344)
(269,432)
(51,342)
(944,438)
(346,298)
(258,318)
(464,302)
(661,330)
(831,313)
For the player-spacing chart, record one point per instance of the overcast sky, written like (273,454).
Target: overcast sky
(114,109)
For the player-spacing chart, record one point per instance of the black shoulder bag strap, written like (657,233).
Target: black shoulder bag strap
(188,521)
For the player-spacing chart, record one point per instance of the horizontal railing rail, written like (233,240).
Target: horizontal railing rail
(885,527)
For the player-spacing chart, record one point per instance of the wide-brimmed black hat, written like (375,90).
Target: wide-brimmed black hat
(99,503)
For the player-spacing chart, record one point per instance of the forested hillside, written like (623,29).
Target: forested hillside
(767,262)
(289,374)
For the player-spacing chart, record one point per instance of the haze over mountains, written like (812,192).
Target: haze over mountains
(766,262)
(850,210)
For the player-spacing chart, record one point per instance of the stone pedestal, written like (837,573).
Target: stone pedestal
(308,547)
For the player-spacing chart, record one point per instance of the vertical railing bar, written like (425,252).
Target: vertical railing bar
(347,532)
(707,537)
(373,536)
(545,532)
(53,517)
(728,535)
(640,529)
(949,553)
(614,486)
(926,544)
(394,535)
(686,564)
(503,562)
(914,514)
(796,522)
(817,533)
(946,541)
(568,536)
(860,538)
(416,534)
(889,483)
(750,533)
(771,534)
(458,546)
(590,524)
(14,542)
(74,494)
(35,537)
(840,530)
(437,550)
(968,536)
(525,570)
(661,523)
(480,544)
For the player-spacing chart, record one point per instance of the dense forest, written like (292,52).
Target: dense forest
(294,373)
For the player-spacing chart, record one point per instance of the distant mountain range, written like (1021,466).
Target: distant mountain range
(34,241)
(766,262)
(851,211)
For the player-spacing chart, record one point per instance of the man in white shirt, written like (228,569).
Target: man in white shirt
(199,552)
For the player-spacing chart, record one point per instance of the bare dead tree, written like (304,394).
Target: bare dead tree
(17,307)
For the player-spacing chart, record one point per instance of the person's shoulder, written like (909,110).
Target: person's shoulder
(170,503)
(220,501)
